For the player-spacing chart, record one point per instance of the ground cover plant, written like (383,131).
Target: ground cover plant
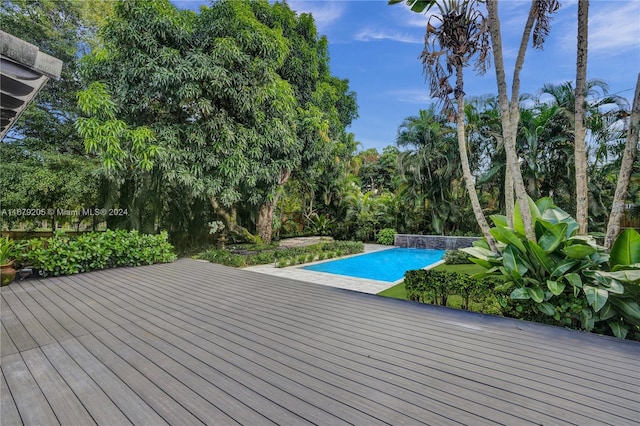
(65,255)
(281,257)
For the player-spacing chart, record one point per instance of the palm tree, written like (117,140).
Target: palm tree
(426,167)
(631,148)
(538,23)
(580,156)
(453,38)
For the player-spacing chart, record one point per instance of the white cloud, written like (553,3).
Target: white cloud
(615,29)
(325,13)
(412,96)
(374,35)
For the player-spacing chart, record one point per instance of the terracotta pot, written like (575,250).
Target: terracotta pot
(7,273)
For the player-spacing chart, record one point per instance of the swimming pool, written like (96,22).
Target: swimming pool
(385,265)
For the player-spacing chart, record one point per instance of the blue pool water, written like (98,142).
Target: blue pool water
(386,265)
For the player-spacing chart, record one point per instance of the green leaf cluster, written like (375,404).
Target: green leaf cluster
(436,287)
(386,236)
(568,277)
(283,256)
(65,255)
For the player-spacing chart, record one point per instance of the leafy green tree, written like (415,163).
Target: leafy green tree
(234,96)
(44,142)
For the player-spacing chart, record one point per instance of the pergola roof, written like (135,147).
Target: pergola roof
(24,71)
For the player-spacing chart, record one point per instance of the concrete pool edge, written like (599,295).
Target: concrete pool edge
(363,285)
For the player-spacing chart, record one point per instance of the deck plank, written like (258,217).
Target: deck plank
(18,334)
(443,364)
(192,342)
(97,403)
(63,401)
(204,410)
(6,343)
(130,403)
(152,394)
(32,405)
(62,316)
(46,320)
(9,415)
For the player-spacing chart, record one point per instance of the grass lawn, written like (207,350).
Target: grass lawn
(398,291)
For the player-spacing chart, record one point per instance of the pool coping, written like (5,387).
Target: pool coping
(363,285)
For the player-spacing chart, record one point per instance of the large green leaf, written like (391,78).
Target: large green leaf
(619,330)
(578,251)
(627,307)
(536,293)
(518,224)
(625,275)
(499,220)
(607,312)
(481,253)
(544,203)
(505,235)
(513,263)
(574,279)
(541,256)
(481,262)
(626,249)
(563,267)
(557,215)
(597,297)
(417,6)
(554,235)
(520,293)
(555,287)
(547,308)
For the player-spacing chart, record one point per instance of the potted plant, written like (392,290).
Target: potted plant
(7,272)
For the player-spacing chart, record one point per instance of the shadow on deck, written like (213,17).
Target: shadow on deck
(192,342)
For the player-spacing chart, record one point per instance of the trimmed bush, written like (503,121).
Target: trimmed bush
(387,236)
(65,255)
(284,257)
(456,257)
(436,287)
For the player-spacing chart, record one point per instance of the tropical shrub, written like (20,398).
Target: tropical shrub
(456,257)
(65,255)
(437,287)
(566,277)
(387,236)
(283,257)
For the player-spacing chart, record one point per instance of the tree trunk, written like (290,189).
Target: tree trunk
(464,159)
(264,224)
(580,153)
(509,200)
(230,222)
(631,148)
(510,111)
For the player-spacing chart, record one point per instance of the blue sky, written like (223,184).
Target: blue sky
(376,47)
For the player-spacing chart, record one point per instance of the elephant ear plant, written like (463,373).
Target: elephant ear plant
(567,278)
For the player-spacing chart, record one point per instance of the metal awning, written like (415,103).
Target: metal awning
(24,71)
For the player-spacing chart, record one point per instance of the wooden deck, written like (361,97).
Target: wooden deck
(191,342)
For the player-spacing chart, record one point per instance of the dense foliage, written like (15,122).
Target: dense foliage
(436,287)
(233,101)
(567,277)
(64,255)
(283,256)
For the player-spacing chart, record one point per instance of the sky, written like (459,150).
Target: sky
(377,47)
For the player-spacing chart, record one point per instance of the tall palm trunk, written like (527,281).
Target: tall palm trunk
(580,151)
(464,160)
(510,111)
(613,227)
